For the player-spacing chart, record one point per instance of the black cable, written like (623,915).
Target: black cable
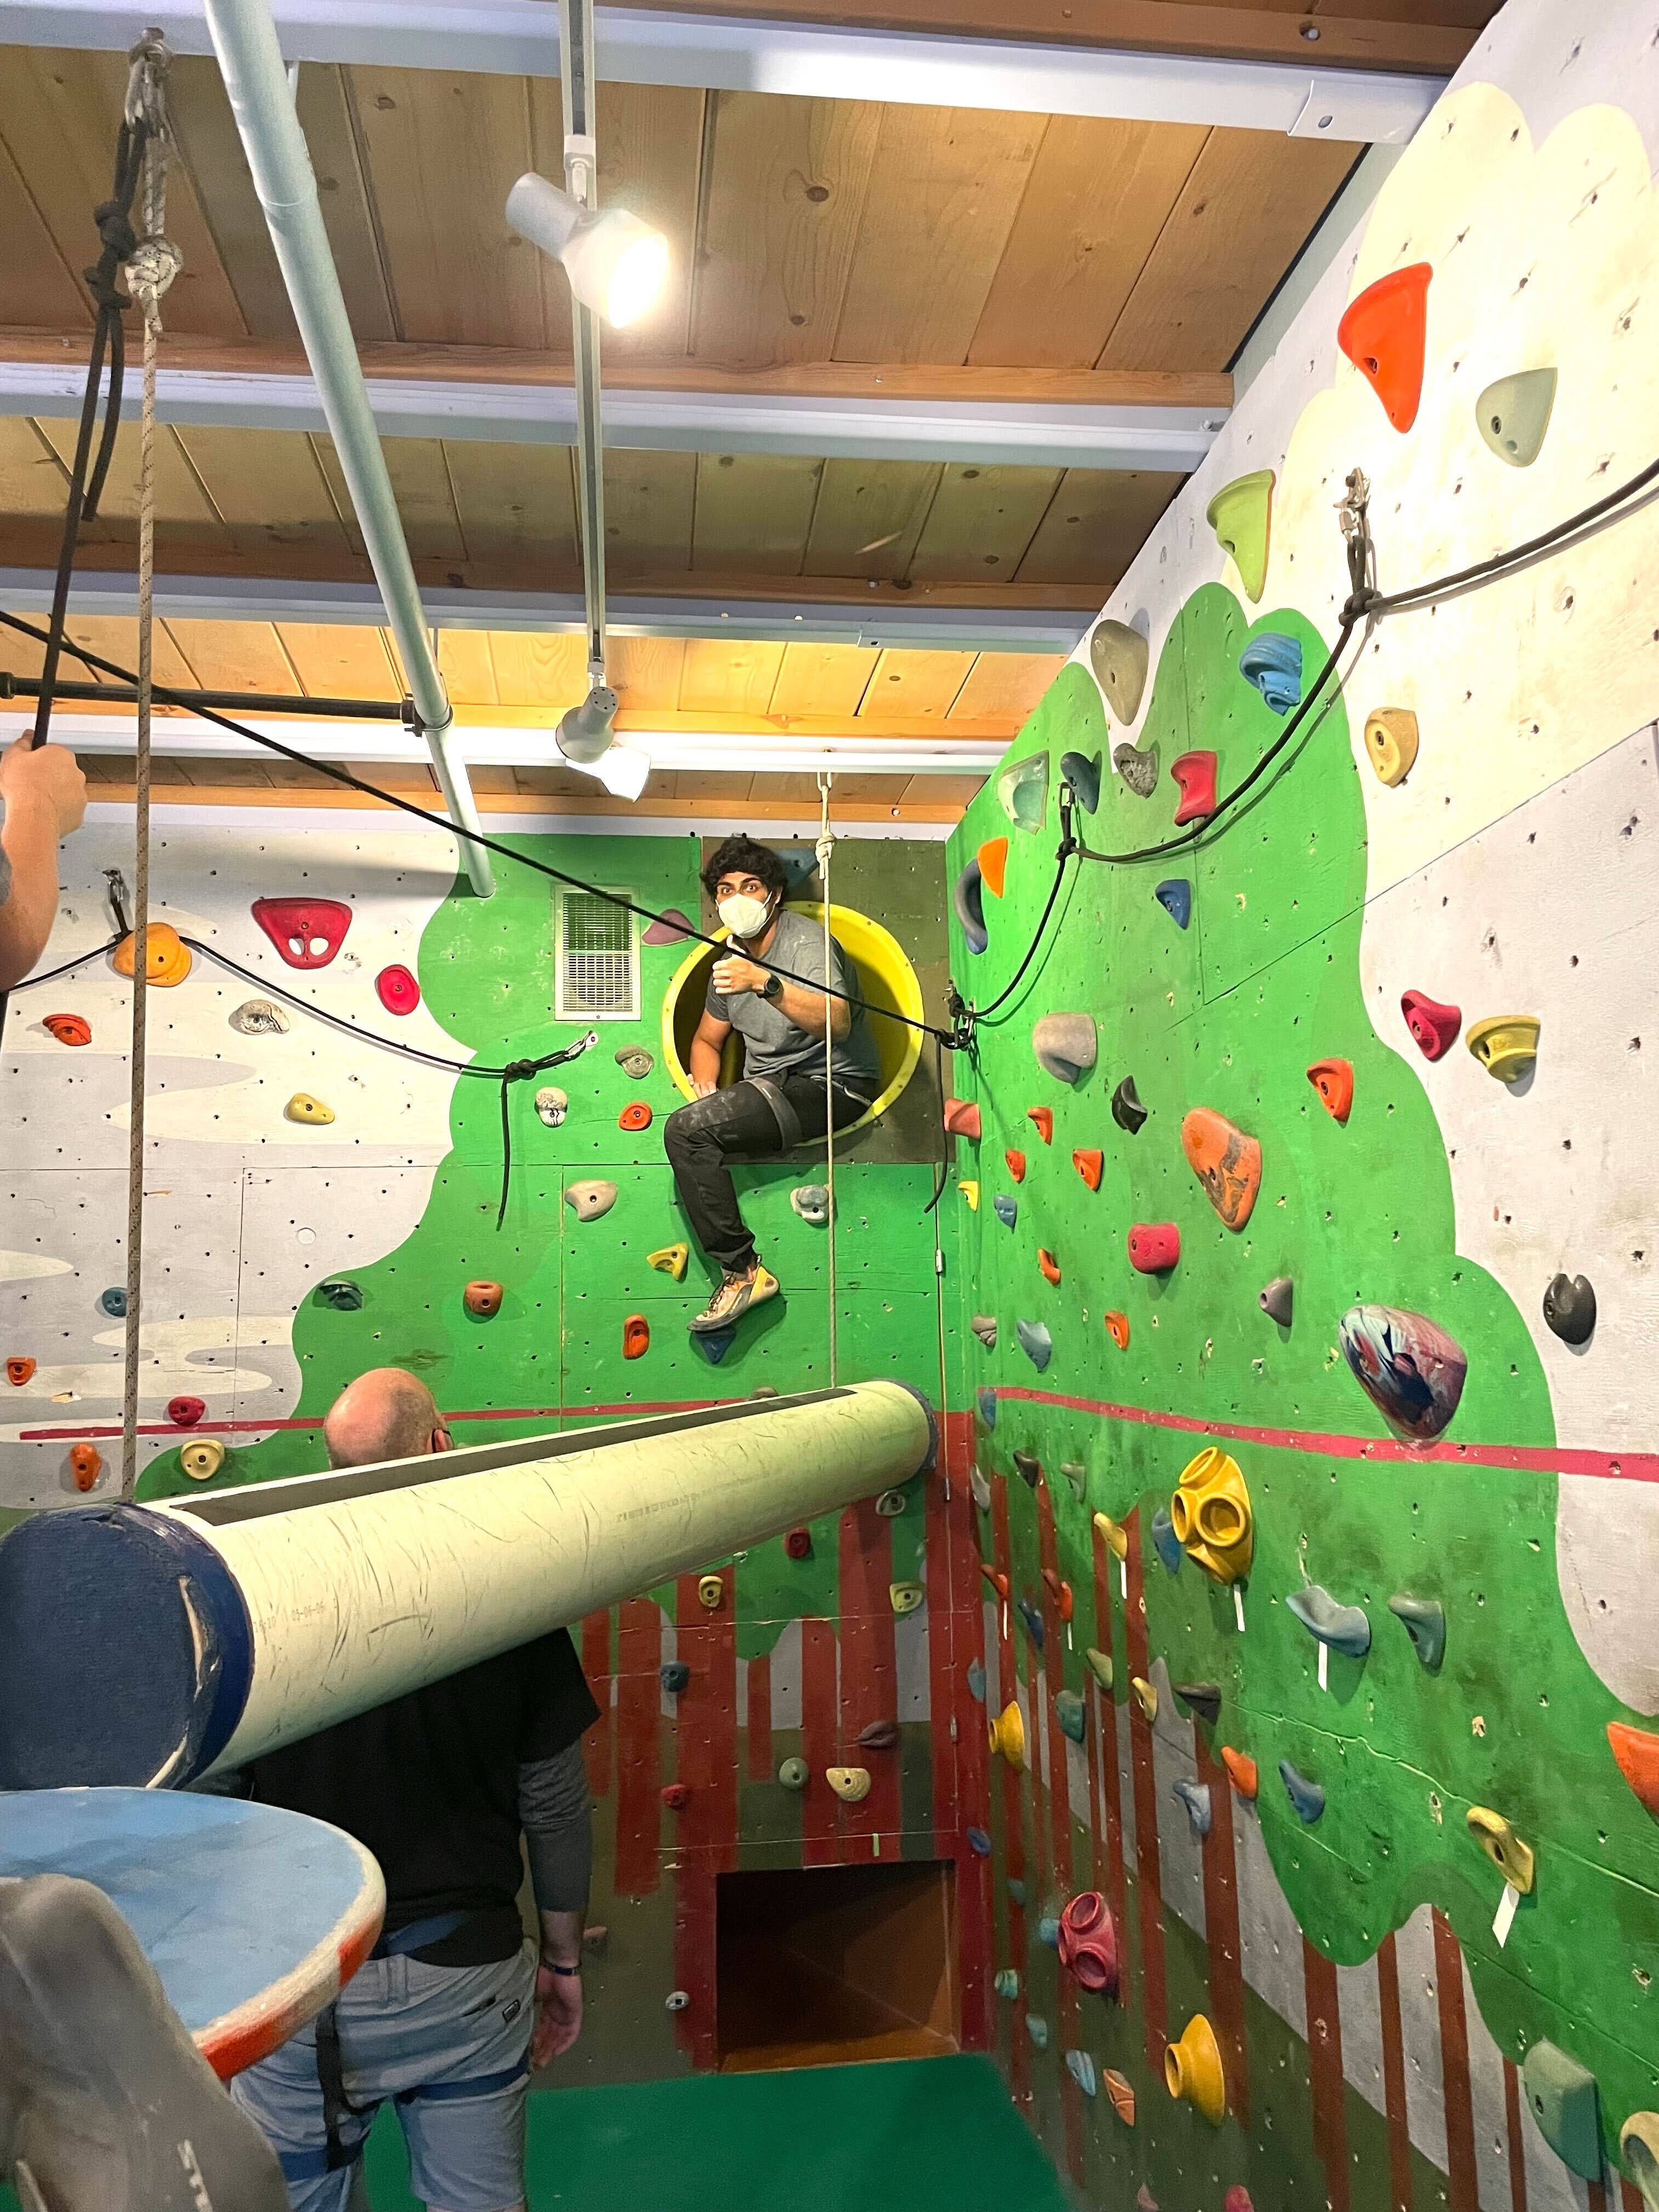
(1068,847)
(335,1021)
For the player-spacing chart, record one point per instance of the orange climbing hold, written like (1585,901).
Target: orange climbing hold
(1049,1265)
(637,1337)
(1637,1755)
(1089,1165)
(1333,1080)
(68,1029)
(86,1465)
(993,865)
(166,957)
(1043,1117)
(1117,1327)
(1060,1592)
(1384,333)
(18,1372)
(1242,1771)
(1016,1165)
(998,1581)
(637,1116)
(1225,1161)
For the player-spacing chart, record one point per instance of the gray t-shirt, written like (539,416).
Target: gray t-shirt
(774,1045)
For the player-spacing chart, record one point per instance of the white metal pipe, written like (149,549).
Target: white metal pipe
(256,79)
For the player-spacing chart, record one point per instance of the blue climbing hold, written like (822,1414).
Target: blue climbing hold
(1048,1931)
(1344,1627)
(1165,1542)
(979,1843)
(1006,1982)
(1272,662)
(1006,1210)
(1017,1891)
(1038,2028)
(1175,896)
(977,1681)
(1034,1342)
(1072,1714)
(1031,1615)
(987,1407)
(674,1675)
(1081,2067)
(968,904)
(715,1344)
(114,1302)
(1196,1796)
(800,865)
(1306,1796)
(1082,772)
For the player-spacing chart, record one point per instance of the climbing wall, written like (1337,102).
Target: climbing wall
(286,1255)
(1303,1211)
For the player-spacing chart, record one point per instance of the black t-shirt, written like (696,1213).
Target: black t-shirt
(429,1784)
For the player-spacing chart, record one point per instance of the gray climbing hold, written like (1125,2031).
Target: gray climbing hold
(341,1293)
(1276,1299)
(1078,1476)
(979,1488)
(1425,1622)
(1203,1699)
(1006,1210)
(987,1407)
(1165,1542)
(984,1327)
(114,1302)
(968,904)
(1081,2067)
(977,1681)
(812,1202)
(1065,1045)
(1126,1109)
(635,1061)
(259,1018)
(1028,1468)
(1072,1714)
(1344,1628)
(673,1674)
(1307,1798)
(1119,657)
(1513,413)
(551,1105)
(1082,772)
(1196,1796)
(1570,1308)
(1563,2098)
(1034,1342)
(588,1200)
(878,1735)
(1138,769)
(891,1504)
(678,2001)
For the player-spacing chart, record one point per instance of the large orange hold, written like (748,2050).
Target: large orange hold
(166,957)
(1384,334)
(1242,1771)
(1225,1161)
(993,865)
(1637,1755)
(637,1337)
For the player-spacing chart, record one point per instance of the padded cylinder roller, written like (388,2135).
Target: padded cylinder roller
(149,1645)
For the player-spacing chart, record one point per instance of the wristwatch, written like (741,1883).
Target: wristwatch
(772,988)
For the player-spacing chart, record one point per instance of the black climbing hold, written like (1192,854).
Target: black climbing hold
(1126,1109)
(1202,1698)
(1570,1308)
(1275,1299)
(1082,772)
(1138,769)
(1030,1466)
(1425,1622)
(674,1675)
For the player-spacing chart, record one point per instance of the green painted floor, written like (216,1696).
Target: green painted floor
(937,2135)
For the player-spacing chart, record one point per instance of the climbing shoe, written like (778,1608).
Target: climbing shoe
(736,1294)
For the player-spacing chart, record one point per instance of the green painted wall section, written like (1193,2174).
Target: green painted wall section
(1228,1015)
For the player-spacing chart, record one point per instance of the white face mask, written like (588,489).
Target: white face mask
(744,917)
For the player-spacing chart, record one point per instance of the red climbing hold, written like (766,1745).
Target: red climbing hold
(1195,774)
(68,1029)
(1087,1943)
(1384,332)
(1238,2199)
(399,993)
(1049,1265)
(1433,1027)
(185,1413)
(998,1581)
(18,1372)
(637,1337)
(676,1795)
(1059,1591)
(86,1465)
(798,1544)
(637,1116)
(1016,1165)
(1154,1247)
(962,1118)
(1333,1080)
(1637,1755)
(307,931)
(1117,1327)
(1044,1118)
(1089,1166)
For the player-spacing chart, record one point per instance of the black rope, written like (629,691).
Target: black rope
(520,1071)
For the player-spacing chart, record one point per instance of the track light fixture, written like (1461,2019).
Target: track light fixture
(617,265)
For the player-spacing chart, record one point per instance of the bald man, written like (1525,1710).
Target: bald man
(440,1785)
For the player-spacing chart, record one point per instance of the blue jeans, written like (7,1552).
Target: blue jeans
(450,2045)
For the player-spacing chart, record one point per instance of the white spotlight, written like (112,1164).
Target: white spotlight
(587,736)
(617,265)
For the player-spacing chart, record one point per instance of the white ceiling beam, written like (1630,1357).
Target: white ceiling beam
(825,61)
(1084,436)
(228,599)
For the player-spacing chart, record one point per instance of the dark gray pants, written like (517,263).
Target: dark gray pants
(701,1140)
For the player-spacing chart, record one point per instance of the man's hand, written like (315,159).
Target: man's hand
(558,2016)
(734,973)
(48,779)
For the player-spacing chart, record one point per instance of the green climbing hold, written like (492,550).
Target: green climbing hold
(1563,2098)
(1425,1622)
(1514,413)
(1119,657)
(340,1294)
(1241,515)
(1100,1666)
(1072,1714)
(1006,1982)
(794,1774)
(1024,792)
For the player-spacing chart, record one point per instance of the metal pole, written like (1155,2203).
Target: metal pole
(577,79)
(255,78)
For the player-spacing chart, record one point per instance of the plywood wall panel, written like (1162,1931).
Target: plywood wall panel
(754,513)
(1096,522)
(37,284)
(335,661)
(420,482)
(515,502)
(981,522)
(544,669)
(230,656)
(327,115)
(185,515)
(729,676)
(869,517)
(925,683)
(198,111)
(468,668)
(1007,686)
(649,502)
(269,487)
(650,156)
(116,637)
(32,483)
(823,679)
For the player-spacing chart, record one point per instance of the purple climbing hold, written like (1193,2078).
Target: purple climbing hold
(1408,1367)
(671,927)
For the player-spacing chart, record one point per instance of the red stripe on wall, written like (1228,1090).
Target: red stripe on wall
(1393,2081)
(1597,2197)
(638,1764)
(706,1832)
(1330,2121)
(596,1665)
(1116,1878)
(820,1827)
(1517,2144)
(1465,2191)
(960,1784)
(1013,1810)
(760,1719)
(1630,2196)
(1149,1880)
(1221,1933)
(1060,1813)
(869,1675)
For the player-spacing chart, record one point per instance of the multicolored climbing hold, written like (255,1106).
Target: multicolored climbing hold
(1513,413)
(962,1118)
(260,1018)
(984,1327)
(1028,1468)
(850,1784)
(483,1300)
(636,1336)
(86,1464)
(669,1261)
(1091,1166)
(1563,2097)
(1126,1109)
(1570,1308)
(811,1201)
(1242,1772)
(1344,1628)
(1034,1342)
(1408,1367)
(1637,1755)
(1113,1535)
(1192,2071)
(1081,2067)
(970,1195)
(1434,1027)
(675,1675)
(20,1370)
(1241,515)
(1506,1045)
(1016,1165)
(794,1774)
(1165,1542)
(1271,662)
(1225,1161)
(1146,1696)
(1006,1735)
(1139,769)
(905,1598)
(68,1029)
(993,858)
(1042,1120)
(166,957)
(1423,1619)
(303,1107)
(1513,1858)
(1391,743)
(987,1407)
(1088,1943)
(307,932)
(1203,1699)
(397,990)
(1023,792)
(635,1117)
(1119,657)
(968,904)
(1065,1045)
(635,1061)
(670,927)
(588,1200)
(552,1104)
(340,1295)
(1333,1080)
(1154,1247)
(1196,1796)
(1277,1299)
(1194,774)
(1122,2092)
(1175,896)
(1307,1798)
(1384,333)
(1210,1513)
(1048,1266)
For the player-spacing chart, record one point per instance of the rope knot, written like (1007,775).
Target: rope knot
(520,1071)
(151,267)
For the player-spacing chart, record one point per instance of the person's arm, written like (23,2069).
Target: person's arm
(806,1008)
(43,796)
(705,1049)
(557,1814)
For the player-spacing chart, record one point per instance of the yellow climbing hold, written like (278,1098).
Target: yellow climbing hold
(905,1597)
(1116,1534)
(970,1192)
(711,1593)
(1007,1736)
(1241,515)
(1506,1045)
(1391,743)
(1192,2071)
(671,1261)
(166,957)
(1145,1695)
(303,1107)
(1211,1516)
(201,1458)
(1514,1859)
(850,1784)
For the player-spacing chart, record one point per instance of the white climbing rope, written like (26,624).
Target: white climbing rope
(826,848)
(150,270)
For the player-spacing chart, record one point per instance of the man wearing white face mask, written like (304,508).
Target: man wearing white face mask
(782,1099)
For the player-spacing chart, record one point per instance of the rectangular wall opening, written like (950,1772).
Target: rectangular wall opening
(818,1966)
